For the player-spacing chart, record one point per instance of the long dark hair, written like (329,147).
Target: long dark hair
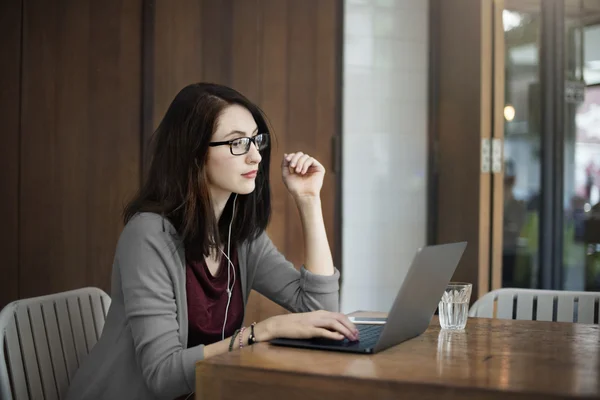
(176,186)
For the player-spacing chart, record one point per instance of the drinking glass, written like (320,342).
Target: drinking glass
(454,306)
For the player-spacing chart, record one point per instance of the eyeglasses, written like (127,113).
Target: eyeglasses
(241,146)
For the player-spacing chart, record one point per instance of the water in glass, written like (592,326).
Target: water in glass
(454,306)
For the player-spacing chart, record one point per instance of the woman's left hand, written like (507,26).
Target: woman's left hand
(302,174)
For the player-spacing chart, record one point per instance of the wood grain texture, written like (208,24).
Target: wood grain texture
(97,79)
(301,99)
(79,139)
(216,41)
(499,50)
(114,129)
(464,118)
(327,105)
(274,91)
(284,56)
(177,50)
(490,359)
(10,106)
(486,52)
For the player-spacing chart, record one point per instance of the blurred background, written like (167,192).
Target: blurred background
(438,121)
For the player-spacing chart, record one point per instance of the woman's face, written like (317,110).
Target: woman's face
(228,173)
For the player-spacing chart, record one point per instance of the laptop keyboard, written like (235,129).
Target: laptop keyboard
(368,335)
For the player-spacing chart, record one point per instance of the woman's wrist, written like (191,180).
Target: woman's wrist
(260,332)
(264,331)
(308,202)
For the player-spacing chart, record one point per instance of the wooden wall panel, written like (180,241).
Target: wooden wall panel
(281,54)
(497,185)
(216,41)
(274,94)
(47,185)
(178,44)
(97,79)
(80,139)
(479,273)
(10,104)
(328,106)
(302,89)
(245,49)
(464,118)
(113,128)
(246,77)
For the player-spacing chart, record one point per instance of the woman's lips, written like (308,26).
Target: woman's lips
(250,175)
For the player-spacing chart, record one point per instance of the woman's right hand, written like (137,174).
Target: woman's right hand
(324,324)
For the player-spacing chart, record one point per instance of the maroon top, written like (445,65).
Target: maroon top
(207,300)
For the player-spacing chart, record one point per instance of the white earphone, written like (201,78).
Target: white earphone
(229,266)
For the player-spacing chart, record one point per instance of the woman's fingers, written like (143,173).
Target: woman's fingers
(340,323)
(341,328)
(307,164)
(301,163)
(325,333)
(331,325)
(293,158)
(343,319)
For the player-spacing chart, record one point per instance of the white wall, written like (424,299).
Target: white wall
(384,147)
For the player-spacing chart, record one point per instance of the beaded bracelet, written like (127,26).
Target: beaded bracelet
(233,339)
(242,336)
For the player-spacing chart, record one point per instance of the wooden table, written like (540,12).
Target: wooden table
(491,359)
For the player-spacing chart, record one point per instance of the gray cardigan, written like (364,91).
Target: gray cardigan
(142,353)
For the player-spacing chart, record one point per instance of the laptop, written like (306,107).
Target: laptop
(412,310)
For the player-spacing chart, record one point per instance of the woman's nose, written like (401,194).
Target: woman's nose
(254,156)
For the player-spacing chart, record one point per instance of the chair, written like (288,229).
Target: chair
(45,339)
(538,305)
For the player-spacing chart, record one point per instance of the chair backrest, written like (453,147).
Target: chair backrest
(43,340)
(539,305)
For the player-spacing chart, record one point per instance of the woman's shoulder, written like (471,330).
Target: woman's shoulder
(149,222)
(147,232)
(147,226)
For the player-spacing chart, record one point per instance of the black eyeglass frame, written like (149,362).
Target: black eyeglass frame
(249,140)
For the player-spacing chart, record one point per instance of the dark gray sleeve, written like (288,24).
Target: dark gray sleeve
(297,291)
(145,255)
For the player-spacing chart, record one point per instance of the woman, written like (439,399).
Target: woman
(193,247)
